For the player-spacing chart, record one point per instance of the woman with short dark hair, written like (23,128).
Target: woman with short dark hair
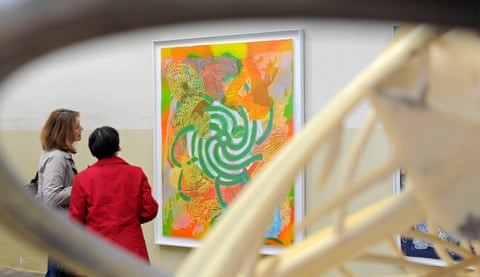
(111,197)
(104,142)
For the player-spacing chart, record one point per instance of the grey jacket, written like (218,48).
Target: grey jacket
(56,171)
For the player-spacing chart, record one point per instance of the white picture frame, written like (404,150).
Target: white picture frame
(286,61)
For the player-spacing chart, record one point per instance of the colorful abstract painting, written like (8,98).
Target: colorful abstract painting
(225,109)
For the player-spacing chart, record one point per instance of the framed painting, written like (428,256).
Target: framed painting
(416,249)
(223,107)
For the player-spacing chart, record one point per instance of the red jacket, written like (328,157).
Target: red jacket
(113,199)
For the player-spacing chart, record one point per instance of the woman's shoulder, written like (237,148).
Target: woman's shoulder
(127,165)
(55,154)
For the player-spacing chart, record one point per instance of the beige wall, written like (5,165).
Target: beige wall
(109,80)
(21,149)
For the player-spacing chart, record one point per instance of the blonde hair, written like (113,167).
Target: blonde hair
(58,131)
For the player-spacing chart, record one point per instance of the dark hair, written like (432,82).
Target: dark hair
(104,142)
(58,130)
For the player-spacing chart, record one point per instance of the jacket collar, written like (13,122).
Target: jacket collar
(108,161)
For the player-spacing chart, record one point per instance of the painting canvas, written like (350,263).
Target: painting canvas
(223,107)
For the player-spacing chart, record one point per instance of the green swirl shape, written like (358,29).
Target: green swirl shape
(225,153)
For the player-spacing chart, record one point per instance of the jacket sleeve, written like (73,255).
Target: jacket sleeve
(55,191)
(78,204)
(148,205)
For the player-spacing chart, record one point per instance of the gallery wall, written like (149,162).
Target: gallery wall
(110,81)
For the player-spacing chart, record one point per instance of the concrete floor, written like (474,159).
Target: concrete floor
(12,272)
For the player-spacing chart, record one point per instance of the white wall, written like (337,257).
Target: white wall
(110,79)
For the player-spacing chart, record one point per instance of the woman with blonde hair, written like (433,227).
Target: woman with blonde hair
(56,168)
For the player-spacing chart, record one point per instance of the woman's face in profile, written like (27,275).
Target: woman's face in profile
(77,130)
